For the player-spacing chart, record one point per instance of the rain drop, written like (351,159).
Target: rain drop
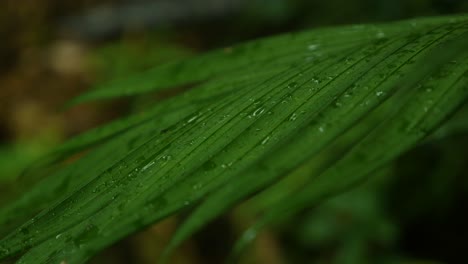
(292,85)
(309,58)
(197,186)
(24,231)
(147,166)
(90,232)
(132,174)
(166,157)
(293,117)
(265,140)
(258,112)
(380,35)
(312,47)
(192,119)
(209,165)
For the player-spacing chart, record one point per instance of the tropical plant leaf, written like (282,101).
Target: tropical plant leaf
(258,112)
(407,126)
(261,55)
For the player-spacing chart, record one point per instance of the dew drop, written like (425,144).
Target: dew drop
(24,231)
(380,35)
(197,186)
(166,157)
(209,165)
(265,140)
(258,112)
(312,47)
(309,58)
(132,174)
(90,232)
(293,117)
(292,85)
(192,119)
(379,93)
(321,129)
(147,166)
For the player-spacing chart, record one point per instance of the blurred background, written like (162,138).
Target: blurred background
(53,50)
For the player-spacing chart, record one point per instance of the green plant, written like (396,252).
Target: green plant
(295,119)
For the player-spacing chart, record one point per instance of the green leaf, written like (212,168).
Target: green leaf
(394,133)
(258,112)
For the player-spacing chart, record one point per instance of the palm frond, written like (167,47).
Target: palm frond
(259,112)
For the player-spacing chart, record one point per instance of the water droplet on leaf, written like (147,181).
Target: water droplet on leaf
(209,165)
(258,111)
(312,47)
(90,232)
(292,85)
(265,140)
(293,117)
(380,35)
(147,166)
(197,186)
